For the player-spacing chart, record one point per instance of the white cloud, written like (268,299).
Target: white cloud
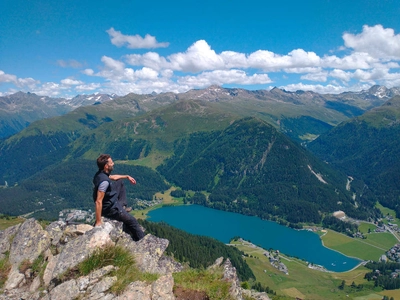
(88,72)
(303,70)
(340,74)
(234,59)
(150,59)
(357,60)
(267,60)
(51,89)
(320,76)
(71,63)
(374,75)
(112,64)
(377,41)
(324,89)
(18,82)
(88,87)
(198,57)
(69,81)
(370,57)
(224,77)
(201,57)
(134,41)
(7,77)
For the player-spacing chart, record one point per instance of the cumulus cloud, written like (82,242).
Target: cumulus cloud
(356,60)
(88,72)
(340,74)
(88,87)
(320,76)
(377,41)
(370,57)
(224,77)
(201,57)
(69,81)
(18,82)
(150,59)
(51,89)
(134,41)
(200,65)
(324,89)
(7,77)
(198,57)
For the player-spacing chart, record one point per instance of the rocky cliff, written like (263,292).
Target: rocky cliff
(62,247)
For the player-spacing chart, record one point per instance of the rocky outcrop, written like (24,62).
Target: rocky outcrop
(230,275)
(64,246)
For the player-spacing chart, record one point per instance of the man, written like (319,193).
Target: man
(109,196)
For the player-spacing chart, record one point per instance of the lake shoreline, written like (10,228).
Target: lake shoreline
(289,245)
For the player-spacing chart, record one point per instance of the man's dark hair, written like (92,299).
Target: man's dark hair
(102,160)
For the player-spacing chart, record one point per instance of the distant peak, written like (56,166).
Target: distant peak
(214,87)
(276,90)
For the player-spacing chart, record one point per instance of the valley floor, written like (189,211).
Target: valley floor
(306,283)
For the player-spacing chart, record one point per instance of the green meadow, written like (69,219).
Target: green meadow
(370,248)
(388,212)
(365,227)
(6,221)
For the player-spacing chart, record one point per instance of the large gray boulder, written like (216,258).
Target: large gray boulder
(81,247)
(29,242)
(6,238)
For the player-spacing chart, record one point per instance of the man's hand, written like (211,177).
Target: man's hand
(98,224)
(131,180)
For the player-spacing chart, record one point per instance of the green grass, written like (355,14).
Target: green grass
(384,240)
(363,227)
(387,211)
(126,271)
(5,268)
(167,200)
(209,281)
(360,248)
(7,221)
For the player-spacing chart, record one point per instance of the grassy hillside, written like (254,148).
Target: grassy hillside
(153,133)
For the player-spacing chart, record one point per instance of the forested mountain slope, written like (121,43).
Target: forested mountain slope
(253,169)
(368,148)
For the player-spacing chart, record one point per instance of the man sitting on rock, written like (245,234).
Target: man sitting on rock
(110,197)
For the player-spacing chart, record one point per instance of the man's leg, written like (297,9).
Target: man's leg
(120,187)
(131,225)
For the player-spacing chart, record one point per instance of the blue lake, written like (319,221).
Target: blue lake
(223,226)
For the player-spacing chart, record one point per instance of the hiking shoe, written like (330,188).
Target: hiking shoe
(128,209)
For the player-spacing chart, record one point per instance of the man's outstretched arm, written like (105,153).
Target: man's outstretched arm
(118,177)
(99,207)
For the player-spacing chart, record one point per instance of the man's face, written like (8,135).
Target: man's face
(109,166)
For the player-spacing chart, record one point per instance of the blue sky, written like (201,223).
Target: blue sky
(65,48)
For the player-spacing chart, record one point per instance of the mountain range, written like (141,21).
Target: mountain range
(18,110)
(238,150)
